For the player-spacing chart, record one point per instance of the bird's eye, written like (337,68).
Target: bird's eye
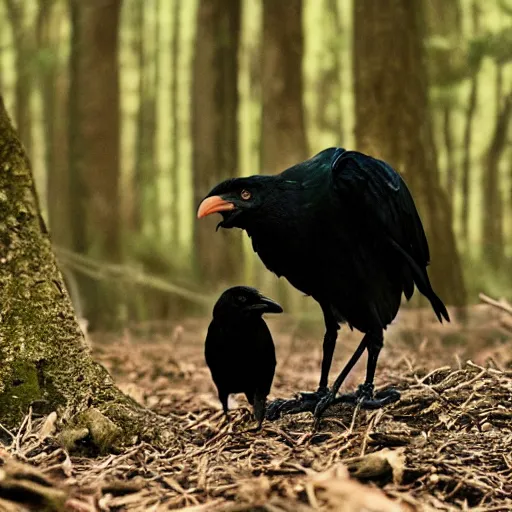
(241,298)
(245,194)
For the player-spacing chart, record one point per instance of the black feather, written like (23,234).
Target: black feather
(239,349)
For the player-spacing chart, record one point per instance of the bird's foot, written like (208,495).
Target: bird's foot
(364,397)
(305,403)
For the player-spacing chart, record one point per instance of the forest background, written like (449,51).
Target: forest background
(131,110)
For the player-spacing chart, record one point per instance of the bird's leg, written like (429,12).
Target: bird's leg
(259,409)
(373,342)
(309,400)
(329,398)
(223,397)
(365,395)
(330,338)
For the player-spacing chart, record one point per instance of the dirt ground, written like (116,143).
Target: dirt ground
(446,445)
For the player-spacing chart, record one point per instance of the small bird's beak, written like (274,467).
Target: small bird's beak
(213,204)
(266,305)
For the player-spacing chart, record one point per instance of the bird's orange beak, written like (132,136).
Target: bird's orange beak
(213,204)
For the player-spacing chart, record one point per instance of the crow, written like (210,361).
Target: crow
(239,349)
(341,227)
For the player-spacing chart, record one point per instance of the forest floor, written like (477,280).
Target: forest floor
(446,445)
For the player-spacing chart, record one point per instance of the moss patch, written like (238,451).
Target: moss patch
(21,389)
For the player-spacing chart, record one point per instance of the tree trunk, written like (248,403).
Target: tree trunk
(145,205)
(393,122)
(468,136)
(24,48)
(328,87)
(175,126)
(54,84)
(215,132)
(46,364)
(283,134)
(492,225)
(94,145)
(451,162)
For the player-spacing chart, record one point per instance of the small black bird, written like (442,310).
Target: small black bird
(239,349)
(343,228)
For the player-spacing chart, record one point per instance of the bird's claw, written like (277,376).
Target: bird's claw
(368,400)
(364,397)
(306,402)
(273,411)
(323,404)
(314,396)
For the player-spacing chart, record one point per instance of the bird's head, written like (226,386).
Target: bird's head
(237,200)
(246,301)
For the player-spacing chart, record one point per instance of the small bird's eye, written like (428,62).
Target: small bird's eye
(241,298)
(245,194)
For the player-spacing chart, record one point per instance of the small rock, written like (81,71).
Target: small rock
(486,427)
(152,401)
(161,382)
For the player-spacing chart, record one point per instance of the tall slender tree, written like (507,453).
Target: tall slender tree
(283,134)
(468,130)
(444,19)
(175,125)
(23,36)
(328,113)
(94,142)
(145,185)
(215,131)
(492,218)
(393,122)
(54,84)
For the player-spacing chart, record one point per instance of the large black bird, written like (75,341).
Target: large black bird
(239,349)
(343,228)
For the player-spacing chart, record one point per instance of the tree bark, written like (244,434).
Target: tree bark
(283,141)
(54,84)
(24,48)
(45,362)
(219,256)
(283,133)
(328,87)
(468,135)
(145,185)
(393,122)
(94,145)
(444,20)
(451,162)
(175,126)
(492,221)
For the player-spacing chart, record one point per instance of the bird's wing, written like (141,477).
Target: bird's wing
(377,191)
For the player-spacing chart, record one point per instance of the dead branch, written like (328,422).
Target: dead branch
(100,270)
(500,304)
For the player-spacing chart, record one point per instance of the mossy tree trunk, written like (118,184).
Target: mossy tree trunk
(45,362)
(393,122)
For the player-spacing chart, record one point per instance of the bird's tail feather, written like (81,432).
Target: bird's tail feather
(423,284)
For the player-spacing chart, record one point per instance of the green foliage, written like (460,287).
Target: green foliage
(498,45)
